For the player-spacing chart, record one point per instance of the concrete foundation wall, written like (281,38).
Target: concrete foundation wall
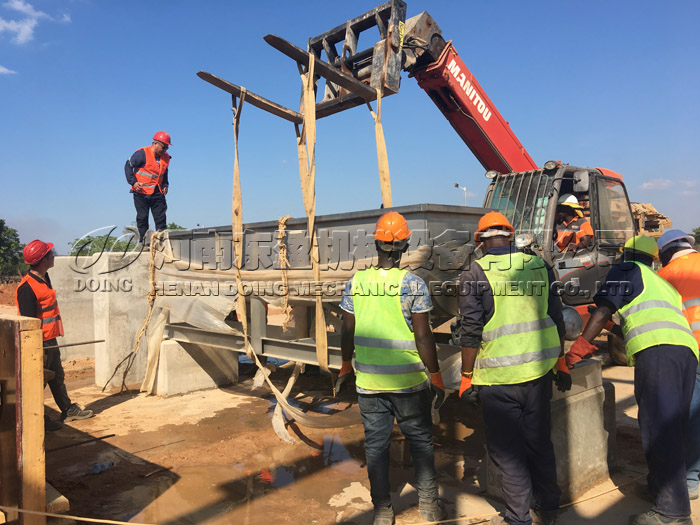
(186,367)
(583,433)
(103,297)
(119,311)
(76,304)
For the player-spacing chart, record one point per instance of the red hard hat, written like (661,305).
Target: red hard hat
(36,250)
(163,137)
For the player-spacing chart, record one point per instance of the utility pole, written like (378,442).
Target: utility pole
(464,189)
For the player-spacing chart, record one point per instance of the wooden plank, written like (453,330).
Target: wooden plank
(25,323)
(323,68)
(30,396)
(252,98)
(56,503)
(9,478)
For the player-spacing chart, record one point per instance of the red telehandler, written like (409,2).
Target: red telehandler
(524,192)
(520,189)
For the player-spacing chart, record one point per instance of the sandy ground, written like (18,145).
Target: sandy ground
(212,457)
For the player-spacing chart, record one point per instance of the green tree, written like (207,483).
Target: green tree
(108,242)
(174,226)
(696,234)
(11,259)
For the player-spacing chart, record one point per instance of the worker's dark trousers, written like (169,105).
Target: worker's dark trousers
(156,203)
(57,384)
(412,413)
(692,441)
(518,428)
(664,378)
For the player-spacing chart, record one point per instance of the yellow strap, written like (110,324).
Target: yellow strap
(306,147)
(382,158)
(237,224)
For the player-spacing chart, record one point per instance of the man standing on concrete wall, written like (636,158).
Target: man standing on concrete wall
(386,325)
(664,353)
(681,268)
(511,339)
(36,298)
(147,174)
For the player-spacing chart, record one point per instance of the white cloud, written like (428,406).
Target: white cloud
(657,184)
(689,183)
(25,8)
(5,71)
(23,29)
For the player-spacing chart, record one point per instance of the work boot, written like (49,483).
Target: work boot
(384,516)
(431,511)
(544,517)
(498,520)
(74,413)
(50,425)
(654,518)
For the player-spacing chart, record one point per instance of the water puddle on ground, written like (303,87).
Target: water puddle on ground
(239,493)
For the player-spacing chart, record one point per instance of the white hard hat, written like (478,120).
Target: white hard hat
(569,200)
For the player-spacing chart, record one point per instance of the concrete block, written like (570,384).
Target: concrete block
(70,278)
(186,367)
(120,306)
(583,433)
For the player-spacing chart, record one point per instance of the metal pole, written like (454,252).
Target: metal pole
(464,189)
(75,344)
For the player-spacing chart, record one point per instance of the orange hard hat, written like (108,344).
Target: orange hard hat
(392,227)
(163,137)
(35,251)
(497,222)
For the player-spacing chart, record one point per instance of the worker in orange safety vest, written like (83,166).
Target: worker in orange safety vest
(147,173)
(681,268)
(36,298)
(572,232)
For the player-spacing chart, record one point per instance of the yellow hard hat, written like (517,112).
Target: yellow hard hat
(642,244)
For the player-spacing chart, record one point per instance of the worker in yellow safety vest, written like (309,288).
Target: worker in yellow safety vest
(664,353)
(511,337)
(681,268)
(386,325)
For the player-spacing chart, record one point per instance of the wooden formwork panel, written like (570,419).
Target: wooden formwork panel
(22,460)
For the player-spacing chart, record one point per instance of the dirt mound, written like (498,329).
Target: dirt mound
(7,293)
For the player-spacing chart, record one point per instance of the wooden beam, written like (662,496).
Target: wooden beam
(322,68)
(30,458)
(252,98)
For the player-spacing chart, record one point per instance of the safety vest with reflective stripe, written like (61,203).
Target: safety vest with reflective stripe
(47,307)
(654,317)
(386,357)
(151,173)
(572,232)
(684,274)
(520,342)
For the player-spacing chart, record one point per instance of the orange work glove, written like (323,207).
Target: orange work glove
(563,377)
(581,349)
(344,376)
(438,388)
(467,392)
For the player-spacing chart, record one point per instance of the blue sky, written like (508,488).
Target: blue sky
(84,83)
